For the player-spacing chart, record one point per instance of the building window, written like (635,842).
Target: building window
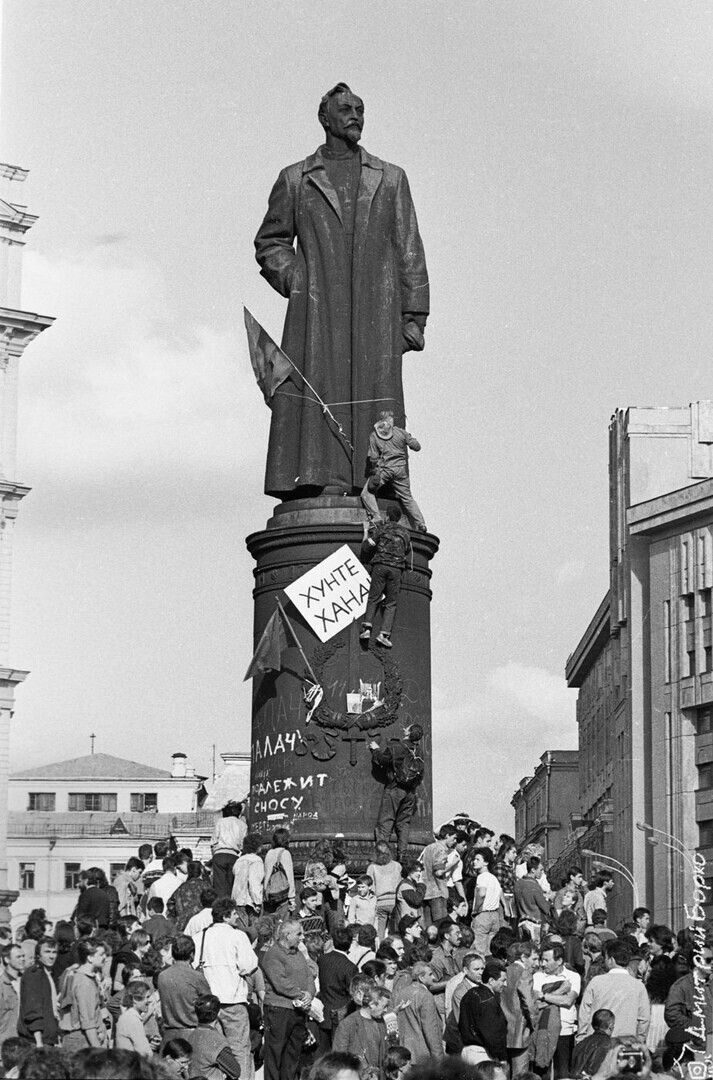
(41,800)
(144,801)
(93,801)
(72,871)
(705,830)
(667,640)
(706,629)
(27,876)
(689,635)
(705,776)
(114,869)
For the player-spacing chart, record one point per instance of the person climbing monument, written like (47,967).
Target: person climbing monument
(386,546)
(404,764)
(388,464)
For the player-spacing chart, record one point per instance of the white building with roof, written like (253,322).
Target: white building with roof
(18,329)
(94,811)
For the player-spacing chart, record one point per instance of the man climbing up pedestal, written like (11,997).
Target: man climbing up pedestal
(386,546)
(388,464)
(404,764)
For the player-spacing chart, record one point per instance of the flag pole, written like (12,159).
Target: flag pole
(296,640)
(326,411)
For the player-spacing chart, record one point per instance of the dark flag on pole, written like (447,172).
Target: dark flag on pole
(270,647)
(270,364)
(268,656)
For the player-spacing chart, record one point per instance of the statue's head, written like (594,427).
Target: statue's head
(341,114)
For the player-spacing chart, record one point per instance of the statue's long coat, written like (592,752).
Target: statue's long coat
(343,325)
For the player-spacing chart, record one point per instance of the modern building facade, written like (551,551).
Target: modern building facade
(545,801)
(644,668)
(17,329)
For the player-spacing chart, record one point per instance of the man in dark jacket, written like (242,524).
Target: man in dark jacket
(519,1004)
(482,1022)
(179,987)
(96,902)
(687,1030)
(386,546)
(590,1052)
(533,909)
(38,1021)
(404,766)
(410,892)
(336,972)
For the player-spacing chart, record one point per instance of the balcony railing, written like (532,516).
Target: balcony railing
(141,826)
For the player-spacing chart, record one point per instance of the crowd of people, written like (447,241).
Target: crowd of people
(463,963)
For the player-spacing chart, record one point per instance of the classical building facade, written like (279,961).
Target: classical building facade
(545,801)
(644,668)
(17,329)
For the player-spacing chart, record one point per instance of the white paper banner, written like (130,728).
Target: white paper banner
(332,594)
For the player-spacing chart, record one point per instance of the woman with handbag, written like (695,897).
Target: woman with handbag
(279,893)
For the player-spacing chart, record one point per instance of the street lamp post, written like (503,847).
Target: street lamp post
(684,854)
(608,862)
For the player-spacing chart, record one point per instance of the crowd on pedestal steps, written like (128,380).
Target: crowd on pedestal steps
(464,964)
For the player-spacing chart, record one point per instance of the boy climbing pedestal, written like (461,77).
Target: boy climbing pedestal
(386,546)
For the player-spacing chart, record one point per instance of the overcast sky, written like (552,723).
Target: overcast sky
(559,155)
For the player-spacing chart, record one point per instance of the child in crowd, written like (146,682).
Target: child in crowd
(362,902)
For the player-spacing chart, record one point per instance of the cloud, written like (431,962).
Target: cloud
(111,389)
(570,573)
(107,239)
(495,734)
(540,693)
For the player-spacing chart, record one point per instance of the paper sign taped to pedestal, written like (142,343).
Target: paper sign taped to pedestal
(332,594)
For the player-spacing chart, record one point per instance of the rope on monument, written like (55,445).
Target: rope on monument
(325,408)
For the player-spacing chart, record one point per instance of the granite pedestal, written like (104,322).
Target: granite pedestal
(318,778)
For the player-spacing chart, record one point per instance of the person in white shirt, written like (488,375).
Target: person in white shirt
(175,872)
(558,986)
(486,900)
(226,957)
(248,878)
(454,864)
(226,844)
(204,917)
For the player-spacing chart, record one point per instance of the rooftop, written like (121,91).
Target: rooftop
(93,767)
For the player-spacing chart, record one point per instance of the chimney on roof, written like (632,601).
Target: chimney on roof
(179,768)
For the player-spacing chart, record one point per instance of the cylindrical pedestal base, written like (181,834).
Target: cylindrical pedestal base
(317,778)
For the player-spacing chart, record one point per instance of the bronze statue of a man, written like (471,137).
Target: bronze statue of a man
(358,299)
